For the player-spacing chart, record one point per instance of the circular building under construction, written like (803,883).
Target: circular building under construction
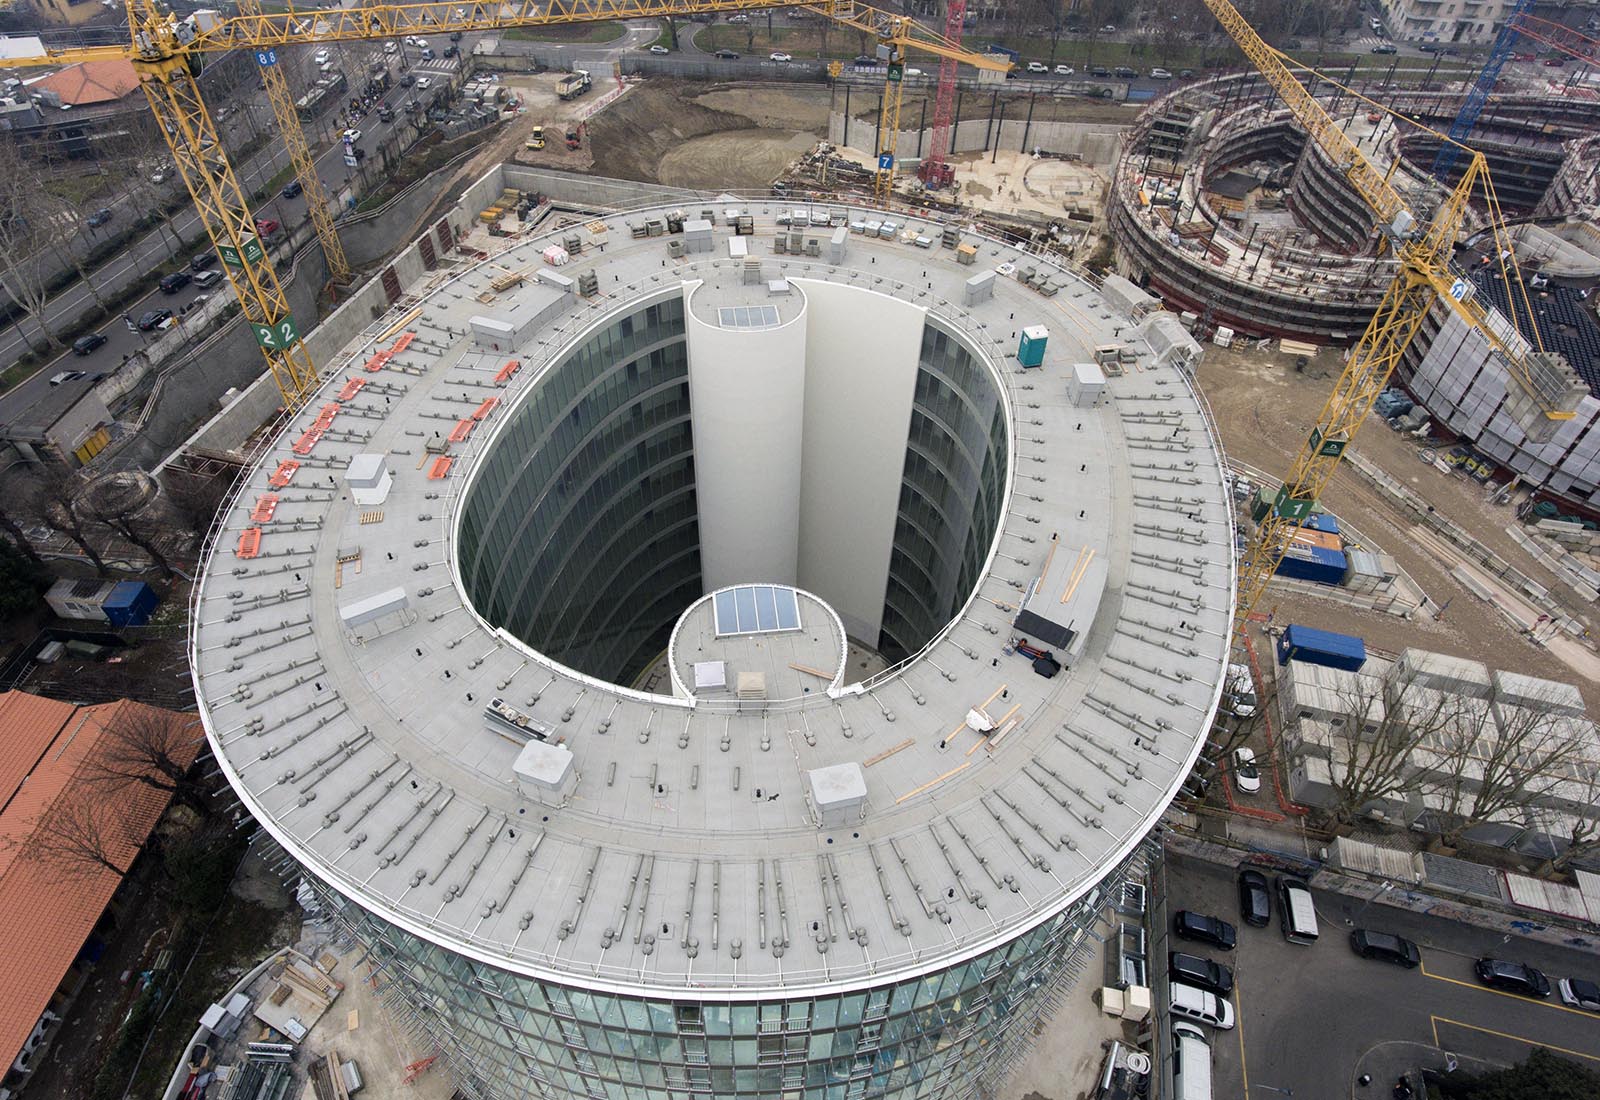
(731,650)
(1224,209)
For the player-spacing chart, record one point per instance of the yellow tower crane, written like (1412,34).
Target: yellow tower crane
(1547,392)
(164,50)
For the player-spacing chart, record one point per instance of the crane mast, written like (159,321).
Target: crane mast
(1425,275)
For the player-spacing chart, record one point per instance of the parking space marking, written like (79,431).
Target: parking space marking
(1238,1024)
(1437,1020)
(1502,993)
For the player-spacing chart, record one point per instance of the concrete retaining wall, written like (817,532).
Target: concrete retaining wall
(1094,142)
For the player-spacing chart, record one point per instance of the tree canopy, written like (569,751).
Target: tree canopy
(1544,1076)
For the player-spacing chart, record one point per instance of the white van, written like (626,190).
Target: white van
(1200,1005)
(1296,911)
(1191,1063)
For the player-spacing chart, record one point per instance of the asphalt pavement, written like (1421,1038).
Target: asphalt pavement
(1312,1019)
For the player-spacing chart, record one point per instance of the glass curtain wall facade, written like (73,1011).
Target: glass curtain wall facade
(940,1035)
(580,536)
(950,494)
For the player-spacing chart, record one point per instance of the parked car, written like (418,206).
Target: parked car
(1100,71)
(154,318)
(1512,977)
(1185,74)
(1160,74)
(1385,47)
(659,49)
(83,345)
(1239,698)
(1038,67)
(1190,925)
(1201,972)
(171,284)
(202,260)
(99,217)
(1255,901)
(291,190)
(1065,70)
(267,227)
(779,56)
(1125,73)
(726,55)
(207,278)
(70,375)
(1246,776)
(1201,1005)
(322,57)
(1579,993)
(1381,945)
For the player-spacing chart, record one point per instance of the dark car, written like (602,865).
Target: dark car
(202,260)
(291,190)
(1255,902)
(1218,933)
(1512,977)
(1099,70)
(171,284)
(99,217)
(1206,974)
(1385,47)
(1125,72)
(726,55)
(83,345)
(1381,945)
(452,51)
(153,318)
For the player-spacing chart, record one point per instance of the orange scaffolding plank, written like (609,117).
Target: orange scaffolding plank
(463,429)
(486,408)
(507,371)
(303,445)
(440,468)
(249,543)
(281,476)
(325,417)
(403,343)
(377,362)
(351,388)
(266,504)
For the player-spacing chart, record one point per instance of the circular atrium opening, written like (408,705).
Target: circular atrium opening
(808,433)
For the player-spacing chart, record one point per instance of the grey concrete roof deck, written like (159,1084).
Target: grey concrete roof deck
(688,857)
(789,661)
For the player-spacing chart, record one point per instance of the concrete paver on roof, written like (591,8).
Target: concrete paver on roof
(688,855)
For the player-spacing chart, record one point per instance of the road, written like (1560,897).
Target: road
(141,259)
(1311,1019)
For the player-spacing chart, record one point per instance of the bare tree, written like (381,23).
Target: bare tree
(25,233)
(83,833)
(136,524)
(155,748)
(1372,744)
(1499,759)
(11,524)
(50,498)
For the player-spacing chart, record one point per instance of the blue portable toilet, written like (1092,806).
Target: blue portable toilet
(1030,352)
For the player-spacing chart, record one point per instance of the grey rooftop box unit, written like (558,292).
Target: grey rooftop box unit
(839,793)
(1086,385)
(979,288)
(545,773)
(836,245)
(369,479)
(697,235)
(496,333)
(391,601)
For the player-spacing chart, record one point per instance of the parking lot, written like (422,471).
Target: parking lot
(1311,1019)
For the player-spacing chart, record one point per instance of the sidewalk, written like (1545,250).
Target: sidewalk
(1532,926)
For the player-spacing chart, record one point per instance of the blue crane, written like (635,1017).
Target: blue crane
(1467,117)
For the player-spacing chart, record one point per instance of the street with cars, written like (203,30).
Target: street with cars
(1379,991)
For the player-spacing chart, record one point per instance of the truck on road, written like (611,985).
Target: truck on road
(574,84)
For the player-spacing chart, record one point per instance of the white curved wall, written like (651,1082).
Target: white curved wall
(747,391)
(861,373)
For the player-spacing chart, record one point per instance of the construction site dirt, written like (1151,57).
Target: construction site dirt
(1265,407)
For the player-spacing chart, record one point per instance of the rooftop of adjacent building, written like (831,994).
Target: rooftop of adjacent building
(690,852)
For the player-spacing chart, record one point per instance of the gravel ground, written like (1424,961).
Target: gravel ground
(1264,409)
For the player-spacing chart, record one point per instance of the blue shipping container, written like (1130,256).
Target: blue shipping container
(1321,647)
(130,604)
(1322,521)
(1314,563)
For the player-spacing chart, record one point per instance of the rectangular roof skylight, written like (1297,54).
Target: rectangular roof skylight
(756,609)
(748,316)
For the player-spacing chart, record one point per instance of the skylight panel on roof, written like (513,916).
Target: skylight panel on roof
(755,609)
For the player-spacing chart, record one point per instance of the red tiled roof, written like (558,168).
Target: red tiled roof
(48,907)
(91,82)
